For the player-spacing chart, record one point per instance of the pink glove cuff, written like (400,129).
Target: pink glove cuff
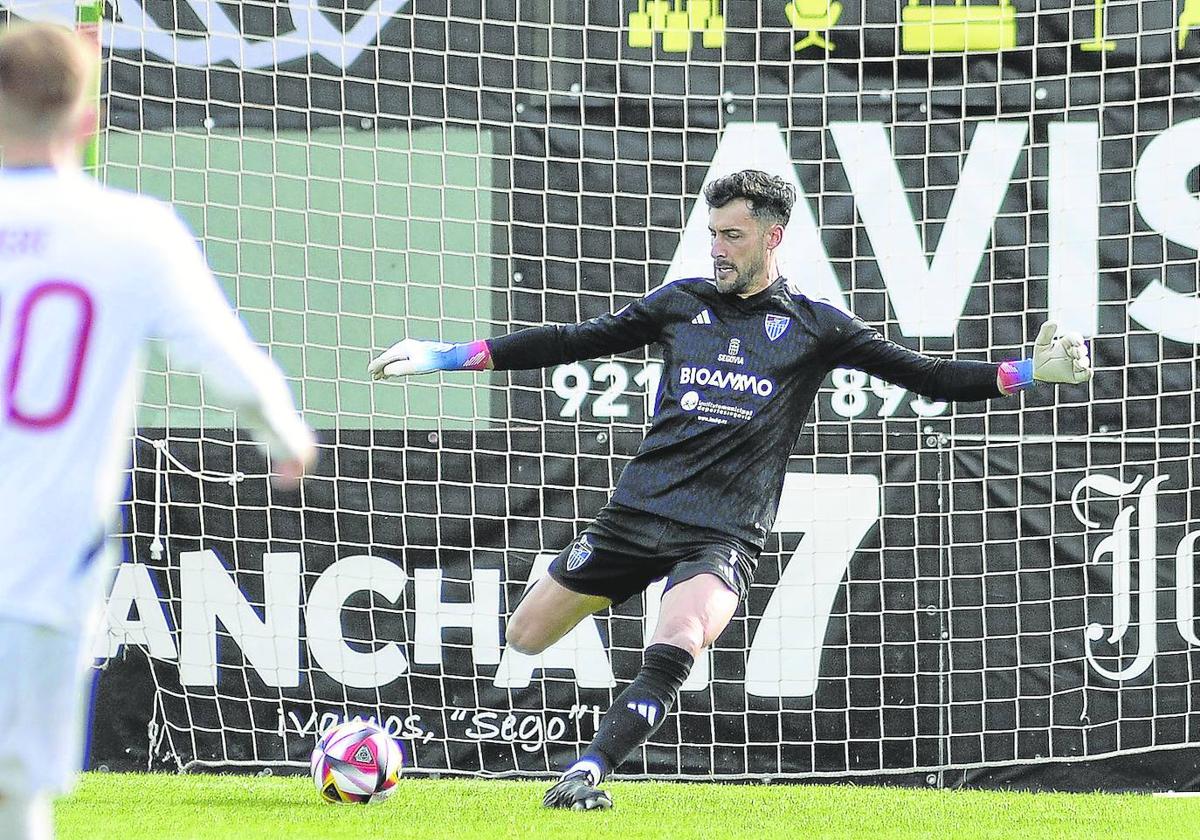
(1016,375)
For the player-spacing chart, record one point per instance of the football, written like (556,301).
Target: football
(356,762)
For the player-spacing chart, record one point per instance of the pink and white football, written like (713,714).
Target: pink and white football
(356,761)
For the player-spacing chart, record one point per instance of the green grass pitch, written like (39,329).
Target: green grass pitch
(136,806)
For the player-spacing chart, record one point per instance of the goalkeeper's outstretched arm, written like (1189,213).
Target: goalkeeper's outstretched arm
(536,347)
(1060,359)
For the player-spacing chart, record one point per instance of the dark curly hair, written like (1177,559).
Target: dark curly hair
(770,197)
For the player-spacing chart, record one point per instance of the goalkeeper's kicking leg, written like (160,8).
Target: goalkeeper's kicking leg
(693,614)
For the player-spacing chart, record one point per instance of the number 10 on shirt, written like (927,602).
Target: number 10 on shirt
(54,318)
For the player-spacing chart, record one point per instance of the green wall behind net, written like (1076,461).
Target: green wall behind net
(333,245)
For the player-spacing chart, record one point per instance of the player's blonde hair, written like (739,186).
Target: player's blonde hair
(45,71)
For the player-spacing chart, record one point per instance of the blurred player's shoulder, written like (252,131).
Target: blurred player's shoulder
(151,221)
(73,214)
(124,248)
(76,197)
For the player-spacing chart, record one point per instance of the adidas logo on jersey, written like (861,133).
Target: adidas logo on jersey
(731,565)
(647,710)
(702,318)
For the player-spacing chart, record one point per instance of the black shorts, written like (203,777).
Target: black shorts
(625,550)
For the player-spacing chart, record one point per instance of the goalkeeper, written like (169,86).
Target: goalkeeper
(744,354)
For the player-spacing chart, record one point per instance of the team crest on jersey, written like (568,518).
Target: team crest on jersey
(581,552)
(777,325)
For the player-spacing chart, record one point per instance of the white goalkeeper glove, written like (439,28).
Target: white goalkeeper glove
(411,356)
(1062,358)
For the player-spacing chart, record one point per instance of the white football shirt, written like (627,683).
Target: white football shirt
(87,274)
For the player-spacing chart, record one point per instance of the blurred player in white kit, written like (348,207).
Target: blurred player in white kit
(87,274)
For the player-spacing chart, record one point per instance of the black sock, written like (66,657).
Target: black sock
(639,710)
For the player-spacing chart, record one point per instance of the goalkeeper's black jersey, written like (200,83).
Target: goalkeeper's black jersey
(739,378)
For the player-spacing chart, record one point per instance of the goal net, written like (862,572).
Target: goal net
(949,588)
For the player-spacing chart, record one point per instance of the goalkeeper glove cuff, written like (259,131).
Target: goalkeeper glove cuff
(473,355)
(1016,375)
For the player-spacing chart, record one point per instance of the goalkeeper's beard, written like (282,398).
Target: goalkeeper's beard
(737,281)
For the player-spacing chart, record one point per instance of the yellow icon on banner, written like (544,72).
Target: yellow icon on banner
(714,27)
(1098,43)
(978,27)
(1189,18)
(815,16)
(677,20)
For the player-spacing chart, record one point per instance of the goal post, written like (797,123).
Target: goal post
(952,593)
(89,19)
